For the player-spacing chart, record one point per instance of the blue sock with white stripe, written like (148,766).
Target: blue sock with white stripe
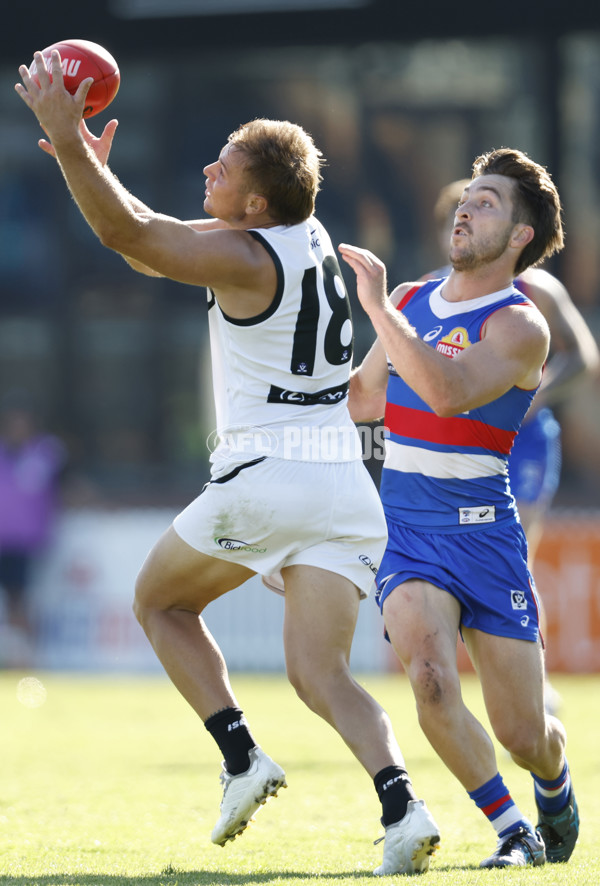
(552,796)
(496,803)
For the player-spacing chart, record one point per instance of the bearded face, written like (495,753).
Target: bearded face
(469,251)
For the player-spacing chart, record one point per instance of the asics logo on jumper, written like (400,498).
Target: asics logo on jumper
(368,562)
(433,333)
(518,600)
(234,544)
(484,513)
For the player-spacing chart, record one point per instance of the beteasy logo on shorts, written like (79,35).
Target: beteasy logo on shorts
(234,544)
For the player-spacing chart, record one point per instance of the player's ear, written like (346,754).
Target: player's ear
(522,235)
(256,204)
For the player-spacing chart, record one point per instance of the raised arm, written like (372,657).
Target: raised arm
(223,259)
(511,352)
(201,224)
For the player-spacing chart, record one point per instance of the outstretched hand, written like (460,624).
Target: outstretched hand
(371,277)
(44,93)
(101,146)
(54,106)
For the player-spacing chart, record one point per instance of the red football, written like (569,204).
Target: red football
(82,59)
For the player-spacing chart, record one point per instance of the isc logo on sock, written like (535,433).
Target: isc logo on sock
(235,725)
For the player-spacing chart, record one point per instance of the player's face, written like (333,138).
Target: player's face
(226,189)
(483,224)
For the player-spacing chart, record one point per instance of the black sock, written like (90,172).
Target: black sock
(230,731)
(394,789)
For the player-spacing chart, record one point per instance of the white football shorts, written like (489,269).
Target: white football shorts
(270,513)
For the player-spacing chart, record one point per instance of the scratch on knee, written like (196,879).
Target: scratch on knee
(431,684)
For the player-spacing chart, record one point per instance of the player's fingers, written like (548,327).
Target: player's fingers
(358,250)
(83,89)
(362,260)
(110,128)
(40,70)
(46,147)
(350,260)
(22,92)
(28,87)
(351,255)
(25,75)
(364,256)
(55,67)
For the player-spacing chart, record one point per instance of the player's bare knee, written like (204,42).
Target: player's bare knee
(433,684)
(305,690)
(314,686)
(138,609)
(139,606)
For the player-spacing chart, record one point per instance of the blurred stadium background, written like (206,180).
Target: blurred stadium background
(400,98)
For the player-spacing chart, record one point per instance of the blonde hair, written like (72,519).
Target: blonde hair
(283,165)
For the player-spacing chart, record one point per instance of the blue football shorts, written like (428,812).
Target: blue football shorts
(535,460)
(484,569)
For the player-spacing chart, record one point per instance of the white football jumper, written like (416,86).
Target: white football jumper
(288,485)
(281,378)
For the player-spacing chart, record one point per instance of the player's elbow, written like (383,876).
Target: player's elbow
(447,403)
(364,402)
(449,407)
(113,238)
(448,395)
(140,267)
(366,407)
(127,236)
(366,412)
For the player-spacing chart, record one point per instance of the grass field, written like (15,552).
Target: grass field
(114,782)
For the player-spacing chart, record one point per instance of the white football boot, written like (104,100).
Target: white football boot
(410,842)
(243,794)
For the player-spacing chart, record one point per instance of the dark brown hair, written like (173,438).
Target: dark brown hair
(535,200)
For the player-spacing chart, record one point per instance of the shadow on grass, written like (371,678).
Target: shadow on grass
(176,877)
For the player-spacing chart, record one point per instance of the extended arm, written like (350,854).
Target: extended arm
(511,352)
(202,224)
(223,259)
